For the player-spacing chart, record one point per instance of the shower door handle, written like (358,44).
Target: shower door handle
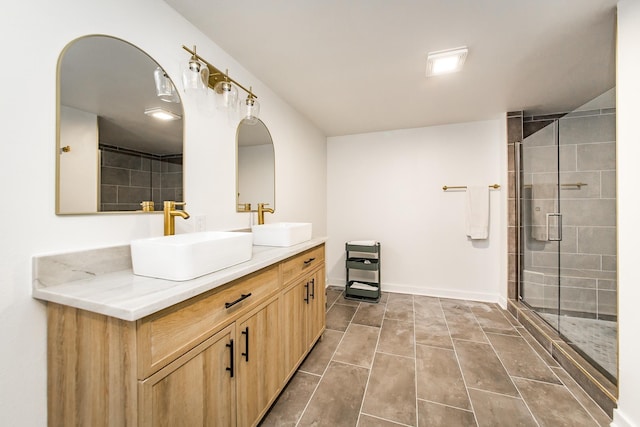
(558,227)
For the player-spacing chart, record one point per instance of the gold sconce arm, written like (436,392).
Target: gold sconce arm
(215,75)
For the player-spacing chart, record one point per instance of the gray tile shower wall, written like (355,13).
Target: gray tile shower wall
(128,178)
(588,249)
(514,136)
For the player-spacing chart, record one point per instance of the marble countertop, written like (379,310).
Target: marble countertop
(123,295)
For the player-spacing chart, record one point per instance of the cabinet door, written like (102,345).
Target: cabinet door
(197,389)
(317,307)
(294,317)
(258,367)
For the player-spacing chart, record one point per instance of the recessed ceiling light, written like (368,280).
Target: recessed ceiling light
(446,61)
(161,114)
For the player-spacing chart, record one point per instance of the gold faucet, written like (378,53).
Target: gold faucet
(147,206)
(244,207)
(261,211)
(170,214)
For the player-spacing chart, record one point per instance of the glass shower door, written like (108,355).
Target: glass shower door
(587,281)
(541,235)
(568,228)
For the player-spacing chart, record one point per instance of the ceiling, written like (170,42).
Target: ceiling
(358,66)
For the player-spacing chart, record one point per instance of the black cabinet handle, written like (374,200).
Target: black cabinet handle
(309,261)
(306,289)
(246,341)
(313,288)
(230,368)
(232,303)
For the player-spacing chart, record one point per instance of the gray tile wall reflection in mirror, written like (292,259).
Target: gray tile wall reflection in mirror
(128,177)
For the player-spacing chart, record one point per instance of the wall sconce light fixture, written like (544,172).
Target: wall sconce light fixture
(195,75)
(250,109)
(226,92)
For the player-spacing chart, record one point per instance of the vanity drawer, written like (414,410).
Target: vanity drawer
(164,336)
(306,261)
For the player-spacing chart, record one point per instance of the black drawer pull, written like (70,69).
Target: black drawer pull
(230,369)
(306,289)
(309,261)
(246,341)
(243,297)
(313,288)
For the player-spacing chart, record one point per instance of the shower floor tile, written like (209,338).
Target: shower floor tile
(597,338)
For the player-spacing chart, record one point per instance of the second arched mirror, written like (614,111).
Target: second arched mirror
(255,180)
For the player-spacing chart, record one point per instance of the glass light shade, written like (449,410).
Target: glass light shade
(195,75)
(250,110)
(165,89)
(226,95)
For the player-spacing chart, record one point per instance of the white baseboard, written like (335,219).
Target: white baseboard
(438,292)
(502,302)
(621,420)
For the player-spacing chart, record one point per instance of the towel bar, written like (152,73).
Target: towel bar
(447,187)
(577,184)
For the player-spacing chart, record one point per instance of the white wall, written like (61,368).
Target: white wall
(255,175)
(38,30)
(387,186)
(628,96)
(79,132)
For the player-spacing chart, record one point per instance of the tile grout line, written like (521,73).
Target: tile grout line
(448,406)
(560,367)
(505,370)
(551,368)
(486,334)
(306,406)
(415,359)
(385,419)
(534,352)
(578,400)
(455,353)
(375,350)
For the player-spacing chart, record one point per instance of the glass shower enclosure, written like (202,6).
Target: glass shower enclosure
(568,234)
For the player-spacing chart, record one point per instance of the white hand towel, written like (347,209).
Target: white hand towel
(477,218)
(363,242)
(363,286)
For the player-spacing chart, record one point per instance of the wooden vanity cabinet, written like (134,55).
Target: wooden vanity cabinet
(304,308)
(197,389)
(197,363)
(258,367)
(317,307)
(230,379)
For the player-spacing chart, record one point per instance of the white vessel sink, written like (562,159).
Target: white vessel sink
(187,256)
(281,233)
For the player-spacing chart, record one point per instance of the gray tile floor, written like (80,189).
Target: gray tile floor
(423,361)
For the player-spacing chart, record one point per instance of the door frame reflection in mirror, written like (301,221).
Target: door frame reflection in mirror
(127,154)
(256,148)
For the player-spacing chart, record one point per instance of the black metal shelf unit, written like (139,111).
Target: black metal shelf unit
(366,259)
